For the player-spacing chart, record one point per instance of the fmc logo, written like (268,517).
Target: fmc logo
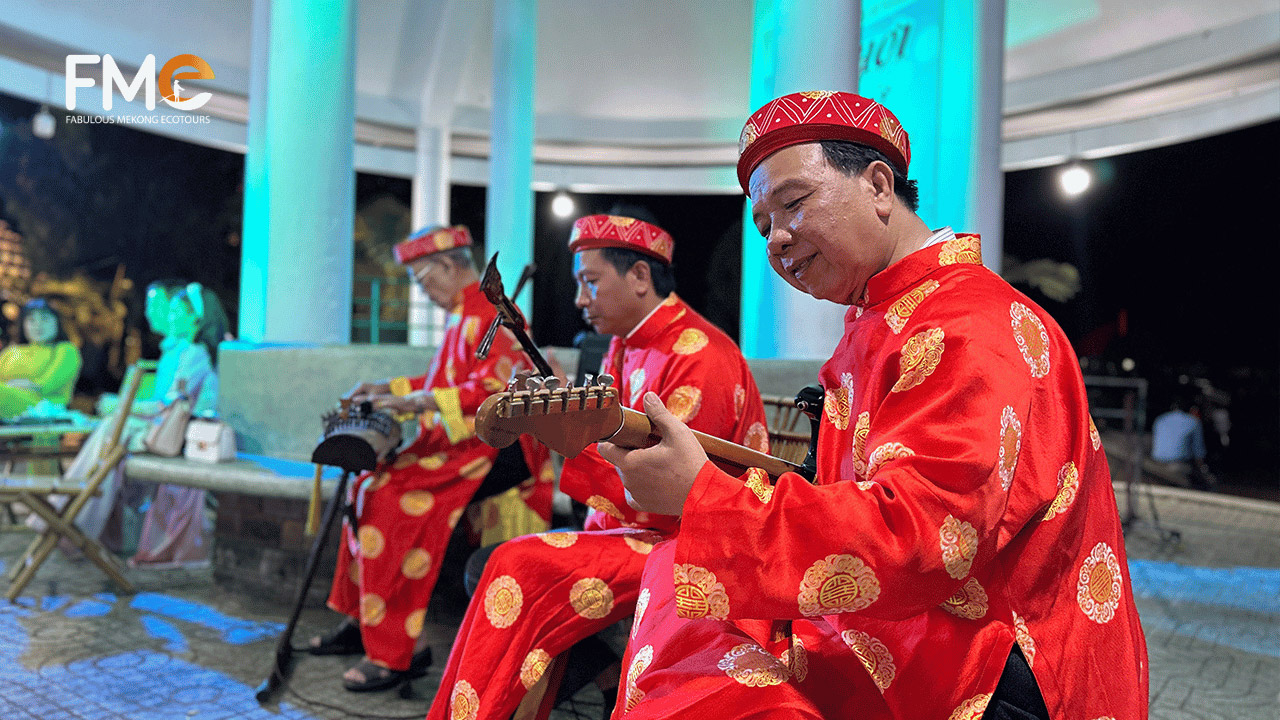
(145,79)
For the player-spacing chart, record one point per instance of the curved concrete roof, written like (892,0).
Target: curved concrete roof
(618,111)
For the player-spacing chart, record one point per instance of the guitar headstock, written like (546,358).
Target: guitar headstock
(566,419)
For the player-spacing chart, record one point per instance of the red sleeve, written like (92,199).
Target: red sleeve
(903,532)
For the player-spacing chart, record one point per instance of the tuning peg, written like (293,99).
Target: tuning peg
(551,383)
(533,384)
(605,380)
(586,380)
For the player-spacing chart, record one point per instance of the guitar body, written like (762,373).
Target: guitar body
(567,420)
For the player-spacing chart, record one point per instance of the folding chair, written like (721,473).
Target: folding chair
(34,493)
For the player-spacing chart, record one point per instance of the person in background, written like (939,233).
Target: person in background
(173,528)
(156,310)
(1177,442)
(41,365)
(404,512)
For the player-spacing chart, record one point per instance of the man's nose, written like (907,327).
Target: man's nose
(779,241)
(582,299)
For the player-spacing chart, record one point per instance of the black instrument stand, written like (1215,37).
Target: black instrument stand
(284,647)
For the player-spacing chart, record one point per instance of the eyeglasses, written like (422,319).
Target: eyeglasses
(418,275)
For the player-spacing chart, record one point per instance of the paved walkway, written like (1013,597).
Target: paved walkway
(182,647)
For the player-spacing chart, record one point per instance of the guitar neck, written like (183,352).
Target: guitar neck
(638,432)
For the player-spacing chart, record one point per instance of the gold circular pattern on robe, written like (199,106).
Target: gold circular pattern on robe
(639,543)
(884,454)
(433,462)
(1068,484)
(1031,337)
(464,702)
(1098,590)
(959,543)
(861,428)
(642,602)
(417,502)
(873,655)
(493,384)
(1094,437)
(969,602)
(503,600)
(353,572)
(699,594)
(417,563)
(639,663)
(636,383)
(690,341)
(796,658)
(739,401)
(837,405)
(757,437)
(547,473)
(373,609)
(476,469)
(972,709)
(836,584)
(898,313)
(605,505)
(557,539)
(1010,446)
(684,402)
(750,665)
(591,598)
(455,516)
(758,483)
(1025,641)
(920,357)
(376,482)
(413,623)
(960,249)
(533,667)
(471,329)
(372,543)
(404,460)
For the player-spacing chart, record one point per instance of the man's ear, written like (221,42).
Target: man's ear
(641,277)
(880,176)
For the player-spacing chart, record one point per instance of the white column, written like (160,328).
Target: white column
(509,206)
(299,205)
(430,207)
(796,46)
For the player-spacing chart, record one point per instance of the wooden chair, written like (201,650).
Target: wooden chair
(34,492)
(788,436)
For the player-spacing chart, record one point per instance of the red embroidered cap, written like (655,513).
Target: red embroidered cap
(822,115)
(601,231)
(431,240)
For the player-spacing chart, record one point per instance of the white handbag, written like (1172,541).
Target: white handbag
(210,440)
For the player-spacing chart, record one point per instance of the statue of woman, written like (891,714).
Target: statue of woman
(42,365)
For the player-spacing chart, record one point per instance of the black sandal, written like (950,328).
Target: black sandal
(379,678)
(342,640)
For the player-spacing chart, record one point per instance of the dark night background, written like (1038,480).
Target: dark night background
(1176,247)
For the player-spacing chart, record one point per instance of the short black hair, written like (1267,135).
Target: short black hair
(852,158)
(32,306)
(664,278)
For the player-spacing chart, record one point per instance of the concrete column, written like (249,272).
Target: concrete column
(430,207)
(299,205)
(509,207)
(795,46)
